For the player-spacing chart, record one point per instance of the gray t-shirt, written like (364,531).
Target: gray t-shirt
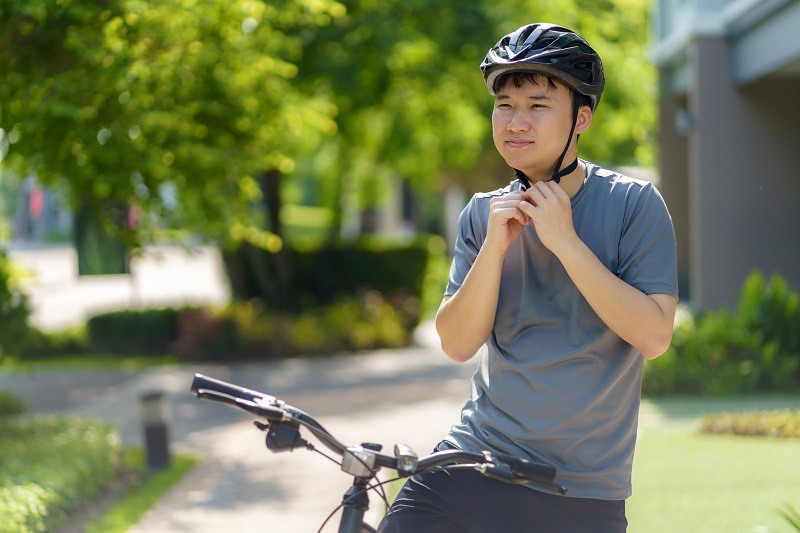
(553,381)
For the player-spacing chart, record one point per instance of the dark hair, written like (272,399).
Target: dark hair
(520,78)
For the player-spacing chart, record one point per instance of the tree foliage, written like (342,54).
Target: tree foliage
(402,75)
(195,100)
(132,100)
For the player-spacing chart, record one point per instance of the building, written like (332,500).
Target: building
(729,137)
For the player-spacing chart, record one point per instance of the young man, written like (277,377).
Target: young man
(568,277)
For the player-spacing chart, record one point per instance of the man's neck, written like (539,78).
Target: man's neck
(571,183)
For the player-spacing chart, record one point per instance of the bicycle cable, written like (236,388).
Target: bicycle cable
(377,487)
(313,448)
(382,493)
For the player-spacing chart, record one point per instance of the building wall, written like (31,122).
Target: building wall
(743,177)
(673,167)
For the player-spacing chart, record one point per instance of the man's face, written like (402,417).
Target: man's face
(530,126)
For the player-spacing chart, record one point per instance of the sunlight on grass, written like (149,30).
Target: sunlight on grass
(683,481)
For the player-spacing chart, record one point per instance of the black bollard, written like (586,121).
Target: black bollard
(156,437)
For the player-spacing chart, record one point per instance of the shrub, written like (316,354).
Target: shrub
(50,466)
(203,334)
(296,280)
(246,330)
(44,344)
(755,349)
(784,423)
(145,331)
(771,310)
(10,404)
(14,311)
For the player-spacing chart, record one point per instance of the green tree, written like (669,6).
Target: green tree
(195,110)
(177,106)
(401,73)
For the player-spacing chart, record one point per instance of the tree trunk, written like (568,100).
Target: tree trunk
(280,284)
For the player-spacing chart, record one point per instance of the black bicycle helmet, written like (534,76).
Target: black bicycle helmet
(552,50)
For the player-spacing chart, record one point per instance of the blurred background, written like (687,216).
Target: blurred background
(245,180)
(322,150)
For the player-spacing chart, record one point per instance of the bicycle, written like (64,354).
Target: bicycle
(363,462)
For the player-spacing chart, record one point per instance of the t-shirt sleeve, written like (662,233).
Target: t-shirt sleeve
(647,248)
(468,243)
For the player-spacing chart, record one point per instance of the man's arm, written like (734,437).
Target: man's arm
(465,319)
(644,321)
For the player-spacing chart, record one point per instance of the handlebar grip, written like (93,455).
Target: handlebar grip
(527,469)
(201,382)
(253,402)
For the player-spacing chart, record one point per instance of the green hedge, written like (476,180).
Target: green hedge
(248,331)
(134,331)
(347,298)
(784,423)
(46,344)
(50,466)
(296,280)
(757,348)
(242,330)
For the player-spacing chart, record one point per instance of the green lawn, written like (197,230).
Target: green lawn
(686,482)
(141,497)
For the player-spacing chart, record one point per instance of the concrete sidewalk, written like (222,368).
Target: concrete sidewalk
(242,486)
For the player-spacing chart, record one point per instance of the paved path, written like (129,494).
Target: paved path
(411,396)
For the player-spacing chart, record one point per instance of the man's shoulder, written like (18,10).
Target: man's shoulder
(614,178)
(614,186)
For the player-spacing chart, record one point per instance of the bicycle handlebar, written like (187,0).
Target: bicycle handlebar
(277,412)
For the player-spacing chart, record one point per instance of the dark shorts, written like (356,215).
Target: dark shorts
(467,501)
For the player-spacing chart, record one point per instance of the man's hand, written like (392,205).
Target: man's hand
(506,221)
(549,209)
(464,321)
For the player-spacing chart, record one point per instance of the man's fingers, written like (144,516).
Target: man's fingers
(511,211)
(510,197)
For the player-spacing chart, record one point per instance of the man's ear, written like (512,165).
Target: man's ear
(584,119)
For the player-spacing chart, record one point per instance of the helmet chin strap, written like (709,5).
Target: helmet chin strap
(557,174)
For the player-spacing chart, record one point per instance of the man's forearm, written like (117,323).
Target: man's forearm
(465,320)
(643,321)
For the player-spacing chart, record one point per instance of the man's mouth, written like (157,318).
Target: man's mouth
(518,143)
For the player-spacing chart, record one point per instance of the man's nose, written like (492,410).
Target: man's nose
(519,122)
